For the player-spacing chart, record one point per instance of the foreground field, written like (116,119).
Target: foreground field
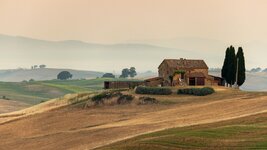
(72,126)
(244,133)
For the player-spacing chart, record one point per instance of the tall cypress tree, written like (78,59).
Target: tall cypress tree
(241,67)
(231,71)
(225,64)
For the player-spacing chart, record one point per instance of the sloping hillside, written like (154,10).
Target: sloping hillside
(76,127)
(17,75)
(39,91)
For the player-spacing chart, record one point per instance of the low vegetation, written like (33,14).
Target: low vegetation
(197,91)
(147,100)
(125,99)
(109,96)
(153,90)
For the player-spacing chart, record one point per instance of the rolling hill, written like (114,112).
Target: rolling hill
(36,92)
(65,123)
(18,75)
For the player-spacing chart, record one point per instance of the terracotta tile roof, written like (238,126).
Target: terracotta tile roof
(186,63)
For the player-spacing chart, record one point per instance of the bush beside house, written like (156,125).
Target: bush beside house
(197,91)
(153,90)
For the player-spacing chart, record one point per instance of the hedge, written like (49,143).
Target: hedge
(197,91)
(153,90)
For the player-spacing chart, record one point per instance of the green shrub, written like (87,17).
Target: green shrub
(148,100)
(125,99)
(197,91)
(99,98)
(153,90)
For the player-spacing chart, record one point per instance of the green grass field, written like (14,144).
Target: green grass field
(38,91)
(244,133)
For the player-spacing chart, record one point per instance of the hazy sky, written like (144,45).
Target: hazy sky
(108,21)
(120,21)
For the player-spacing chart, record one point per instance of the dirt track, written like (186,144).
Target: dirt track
(76,128)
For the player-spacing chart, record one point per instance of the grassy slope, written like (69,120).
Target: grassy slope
(35,92)
(98,126)
(244,133)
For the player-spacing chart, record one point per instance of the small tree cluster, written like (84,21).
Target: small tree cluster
(125,73)
(64,75)
(38,66)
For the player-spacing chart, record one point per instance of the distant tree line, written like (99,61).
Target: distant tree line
(234,70)
(38,66)
(258,69)
(125,73)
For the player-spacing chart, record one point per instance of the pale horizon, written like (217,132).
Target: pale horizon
(211,25)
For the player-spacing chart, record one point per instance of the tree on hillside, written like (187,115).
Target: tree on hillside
(231,73)
(256,69)
(108,75)
(241,67)
(64,75)
(132,72)
(225,67)
(34,67)
(125,73)
(42,66)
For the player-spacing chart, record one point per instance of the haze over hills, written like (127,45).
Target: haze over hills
(102,57)
(79,55)
(18,75)
(25,52)
(213,50)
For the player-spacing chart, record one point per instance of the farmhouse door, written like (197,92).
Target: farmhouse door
(192,81)
(106,85)
(200,81)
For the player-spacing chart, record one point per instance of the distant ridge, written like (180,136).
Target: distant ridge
(17,75)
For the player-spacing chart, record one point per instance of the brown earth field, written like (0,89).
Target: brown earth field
(73,126)
(7,106)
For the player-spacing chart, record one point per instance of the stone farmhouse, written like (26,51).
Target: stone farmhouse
(174,72)
(186,72)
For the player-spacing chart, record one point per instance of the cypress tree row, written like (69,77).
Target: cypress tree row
(241,67)
(229,68)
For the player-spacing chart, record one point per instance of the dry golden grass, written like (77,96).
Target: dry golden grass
(58,125)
